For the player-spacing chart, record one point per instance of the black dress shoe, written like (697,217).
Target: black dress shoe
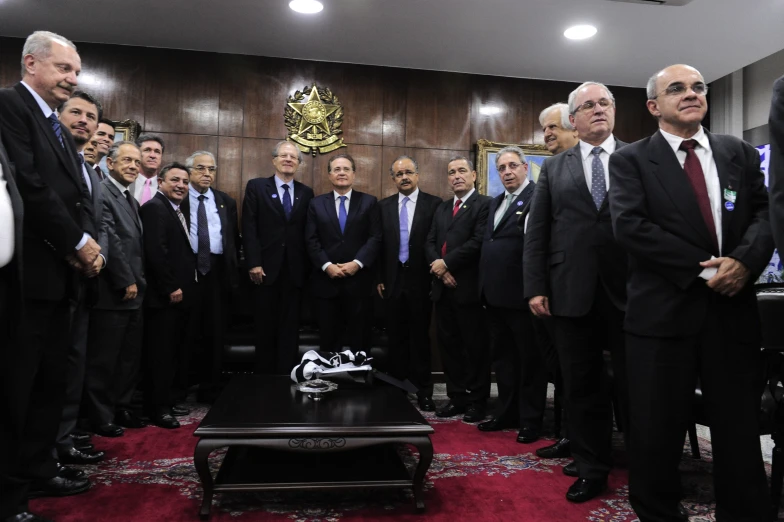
(527,435)
(58,487)
(26,517)
(165,420)
(108,430)
(74,456)
(495,425)
(585,489)
(69,473)
(84,446)
(80,436)
(450,410)
(180,411)
(127,419)
(559,450)
(570,470)
(426,404)
(474,413)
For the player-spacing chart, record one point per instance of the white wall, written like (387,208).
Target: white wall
(758,81)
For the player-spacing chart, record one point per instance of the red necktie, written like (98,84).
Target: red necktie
(454,213)
(697,179)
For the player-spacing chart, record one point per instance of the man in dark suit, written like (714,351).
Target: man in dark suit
(776,180)
(104,139)
(453,246)
(215,240)
(58,243)
(690,208)
(171,277)
(404,278)
(575,271)
(115,331)
(343,235)
(273,231)
(517,361)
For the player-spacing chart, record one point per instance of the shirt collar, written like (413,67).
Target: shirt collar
(520,189)
(347,194)
(117,183)
(40,101)
(675,141)
(195,193)
(413,197)
(279,182)
(607,145)
(464,198)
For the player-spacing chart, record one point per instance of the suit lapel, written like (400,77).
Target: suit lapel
(494,204)
(729,179)
(393,218)
(520,204)
(224,218)
(184,208)
(417,217)
(273,198)
(574,163)
(123,203)
(464,207)
(329,208)
(353,208)
(298,190)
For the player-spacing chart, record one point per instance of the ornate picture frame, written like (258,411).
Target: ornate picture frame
(126,130)
(488,182)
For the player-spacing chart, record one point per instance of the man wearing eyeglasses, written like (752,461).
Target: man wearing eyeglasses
(691,210)
(575,272)
(214,239)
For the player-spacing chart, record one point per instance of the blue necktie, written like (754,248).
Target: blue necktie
(286,201)
(58,131)
(403,253)
(342,214)
(598,185)
(203,237)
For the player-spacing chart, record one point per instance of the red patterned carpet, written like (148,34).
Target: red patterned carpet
(148,475)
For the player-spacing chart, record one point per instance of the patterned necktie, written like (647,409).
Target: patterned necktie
(598,183)
(100,173)
(58,130)
(403,252)
(342,214)
(696,177)
(454,213)
(504,208)
(183,222)
(203,237)
(286,201)
(147,191)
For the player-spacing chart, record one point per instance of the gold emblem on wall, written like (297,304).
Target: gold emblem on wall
(313,118)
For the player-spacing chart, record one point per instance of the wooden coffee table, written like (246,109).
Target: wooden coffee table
(279,439)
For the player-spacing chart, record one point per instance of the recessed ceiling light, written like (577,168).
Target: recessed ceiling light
(306,6)
(580,32)
(489,110)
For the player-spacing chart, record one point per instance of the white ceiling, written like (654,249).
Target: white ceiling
(521,38)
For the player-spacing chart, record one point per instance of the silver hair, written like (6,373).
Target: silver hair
(458,158)
(280,144)
(114,150)
(564,110)
(513,149)
(39,44)
(401,158)
(189,161)
(573,94)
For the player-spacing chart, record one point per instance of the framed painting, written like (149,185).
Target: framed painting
(126,130)
(488,182)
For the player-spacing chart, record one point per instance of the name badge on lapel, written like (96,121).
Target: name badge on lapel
(730,195)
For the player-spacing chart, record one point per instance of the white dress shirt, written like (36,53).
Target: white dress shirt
(608,147)
(138,186)
(337,210)
(410,206)
(502,208)
(48,112)
(712,182)
(213,220)
(6,223)
(281,191)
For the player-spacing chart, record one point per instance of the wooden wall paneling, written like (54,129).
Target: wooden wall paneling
(432,169)
(116,79)
(10,61)
(232,74)
(395,101)
(512,98)
(181,92)
(546,93)
(229,160)
(632,120)
(438,111)
(179,146)
(368,169)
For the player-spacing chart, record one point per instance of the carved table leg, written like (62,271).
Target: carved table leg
(425,448)
(200,460)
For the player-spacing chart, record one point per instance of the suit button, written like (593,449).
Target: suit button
(78,204)
(491,239)
(284,244)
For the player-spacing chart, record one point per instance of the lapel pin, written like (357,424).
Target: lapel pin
(519,203)
(274,196)
(729,205)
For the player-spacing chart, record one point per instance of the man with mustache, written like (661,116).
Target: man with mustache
(404,278)
(575,271)
(90,154)
(171,276)
(691,209)
(343,235)
(146,184)
(452,250)
(59,246)
(559,133)
(104,138)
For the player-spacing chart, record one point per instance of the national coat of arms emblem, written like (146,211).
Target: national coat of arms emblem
(313,117)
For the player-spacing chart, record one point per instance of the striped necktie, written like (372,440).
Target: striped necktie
(58,130)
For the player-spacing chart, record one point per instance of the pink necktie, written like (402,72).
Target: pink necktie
(146,195)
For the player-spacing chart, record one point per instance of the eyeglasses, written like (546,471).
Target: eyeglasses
(202,168)
(510,166)
(679,89)
(589,106)
(400,174)
(287,156)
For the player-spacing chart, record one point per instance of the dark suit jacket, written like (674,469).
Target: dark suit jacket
(568,236)
(58,205)
(419,271)
(657,220)
(170,261)
(122,226)
(270,240)
(227,211)
(501,261)
(361,240)
(776,169)
(463,235)
(15,273)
